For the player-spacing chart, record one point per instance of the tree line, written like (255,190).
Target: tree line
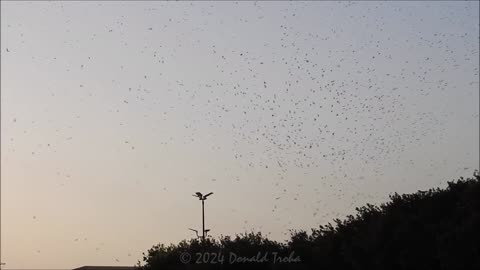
(433,229)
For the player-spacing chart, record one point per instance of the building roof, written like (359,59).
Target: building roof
(105,268)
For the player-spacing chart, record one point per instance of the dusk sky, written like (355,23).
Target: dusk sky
(293,113)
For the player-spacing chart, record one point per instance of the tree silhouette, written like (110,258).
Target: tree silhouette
(434,229)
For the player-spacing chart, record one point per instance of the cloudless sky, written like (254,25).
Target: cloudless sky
(293,113)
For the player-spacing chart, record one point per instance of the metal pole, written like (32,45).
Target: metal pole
(203,220)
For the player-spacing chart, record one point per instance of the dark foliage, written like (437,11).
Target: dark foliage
(434,229)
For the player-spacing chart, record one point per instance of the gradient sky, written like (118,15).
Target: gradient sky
(292,113)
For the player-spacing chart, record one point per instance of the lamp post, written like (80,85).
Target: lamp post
(196,232)
(202,198)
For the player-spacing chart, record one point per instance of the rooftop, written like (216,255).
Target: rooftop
(105,268)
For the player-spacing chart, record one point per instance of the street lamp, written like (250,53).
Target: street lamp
(202,198)
(196,232)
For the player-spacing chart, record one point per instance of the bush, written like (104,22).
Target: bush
(434,229)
